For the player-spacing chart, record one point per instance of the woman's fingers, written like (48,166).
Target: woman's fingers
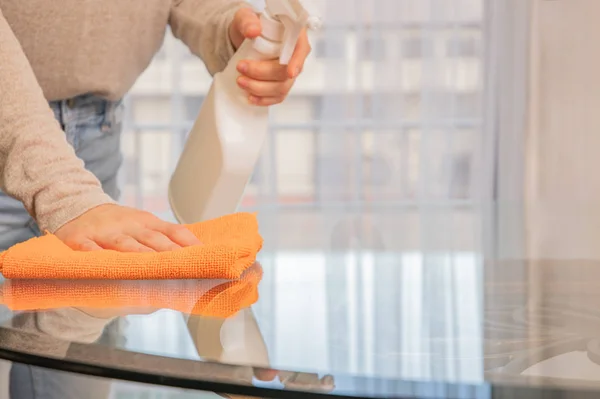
(155,240)
(177,233)
(301,52)
(270,71)
(123,243)
(265,88)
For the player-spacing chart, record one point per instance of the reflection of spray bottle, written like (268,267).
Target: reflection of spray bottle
(238,340)
(234,340)
(225,142)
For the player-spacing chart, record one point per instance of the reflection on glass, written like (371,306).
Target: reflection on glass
(213,298)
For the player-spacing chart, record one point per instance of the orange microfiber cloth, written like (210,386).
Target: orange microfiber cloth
(229,247)
(212,298)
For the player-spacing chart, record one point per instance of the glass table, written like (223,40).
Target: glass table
(349,312)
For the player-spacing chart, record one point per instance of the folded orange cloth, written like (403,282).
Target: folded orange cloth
(212,298)
(229,247)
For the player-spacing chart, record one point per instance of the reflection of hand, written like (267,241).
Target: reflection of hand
(299,381)
(265,374)
(109,313)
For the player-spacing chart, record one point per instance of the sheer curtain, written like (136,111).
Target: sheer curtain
(418,161)
(392,169)
(398,108)
(406,125)
(563,140)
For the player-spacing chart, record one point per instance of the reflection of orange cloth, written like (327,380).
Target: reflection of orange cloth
(229,246)
(215,298)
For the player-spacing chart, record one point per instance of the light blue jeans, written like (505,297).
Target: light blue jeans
(93,127)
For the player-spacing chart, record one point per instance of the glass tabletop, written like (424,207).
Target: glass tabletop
(355,313)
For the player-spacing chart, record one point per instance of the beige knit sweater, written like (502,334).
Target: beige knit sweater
(56,49)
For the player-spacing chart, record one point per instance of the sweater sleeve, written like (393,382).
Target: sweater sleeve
(37,164)
(203,25)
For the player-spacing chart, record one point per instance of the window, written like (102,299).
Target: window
(380,92)
(416,47)
(192,106)
(373,48)
(463,46)
(333,47)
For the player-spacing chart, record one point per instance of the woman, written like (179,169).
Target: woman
(64,67)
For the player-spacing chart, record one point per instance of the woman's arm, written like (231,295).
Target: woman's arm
(203,25)
(37,164)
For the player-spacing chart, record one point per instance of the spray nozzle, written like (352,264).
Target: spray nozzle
(294,15)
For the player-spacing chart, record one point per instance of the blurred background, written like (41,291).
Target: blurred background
(403,134)
(423,138)
(386,80)
(404,157)
(396,108)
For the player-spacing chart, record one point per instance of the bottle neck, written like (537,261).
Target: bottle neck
(271,28)
(270,41)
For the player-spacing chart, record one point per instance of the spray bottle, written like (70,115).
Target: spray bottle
(226,139)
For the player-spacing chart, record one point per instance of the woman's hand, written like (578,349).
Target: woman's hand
(267,82)
(123,229)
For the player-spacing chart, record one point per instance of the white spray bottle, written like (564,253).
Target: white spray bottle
(225,142)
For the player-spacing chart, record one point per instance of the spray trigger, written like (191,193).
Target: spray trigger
(294,16)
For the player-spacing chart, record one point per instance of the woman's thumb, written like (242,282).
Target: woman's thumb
(249,22)
(245,25)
